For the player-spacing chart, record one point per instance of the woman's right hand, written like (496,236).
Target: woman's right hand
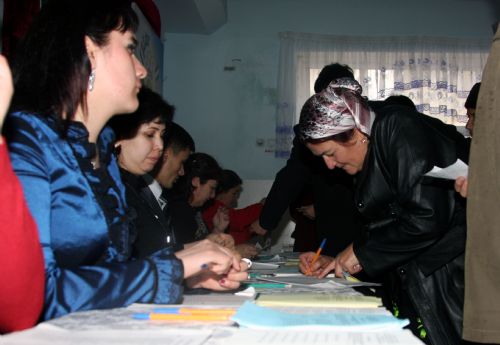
(256,228)
(316,269)
(247,250)
(307,211)
(206,255)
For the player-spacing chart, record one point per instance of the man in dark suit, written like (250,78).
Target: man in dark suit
(178,145)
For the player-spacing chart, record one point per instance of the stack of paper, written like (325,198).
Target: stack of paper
(254,316)
(318,300)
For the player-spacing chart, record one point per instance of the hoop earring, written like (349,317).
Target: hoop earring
(91,80)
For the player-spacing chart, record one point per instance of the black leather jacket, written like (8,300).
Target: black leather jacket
(416,228)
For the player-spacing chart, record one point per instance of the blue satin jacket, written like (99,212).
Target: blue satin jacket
(84,224)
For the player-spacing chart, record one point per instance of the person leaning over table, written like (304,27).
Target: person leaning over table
(332,189)
(139,147)
(74,70)
(21,290)
(416,229)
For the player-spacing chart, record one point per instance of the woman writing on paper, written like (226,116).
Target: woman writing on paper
(76,69)
(415,228)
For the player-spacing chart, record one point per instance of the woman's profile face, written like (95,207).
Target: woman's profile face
(118,74)
(348,156)
(140,154)
(231,196)
(202,192)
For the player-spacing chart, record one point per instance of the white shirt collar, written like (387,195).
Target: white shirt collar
(155,188)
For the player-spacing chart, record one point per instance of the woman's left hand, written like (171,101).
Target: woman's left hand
(461,186)
(220,282)
(346,261)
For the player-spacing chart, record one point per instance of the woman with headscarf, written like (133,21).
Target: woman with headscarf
(415,229)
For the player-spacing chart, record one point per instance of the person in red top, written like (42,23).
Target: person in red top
(22,269)
(228,192)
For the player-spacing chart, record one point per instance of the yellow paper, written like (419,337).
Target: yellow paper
(317,300)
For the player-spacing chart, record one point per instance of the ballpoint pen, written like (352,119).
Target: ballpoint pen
(316,256)
(194,311)
(182,317)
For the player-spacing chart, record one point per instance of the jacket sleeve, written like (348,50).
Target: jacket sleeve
(22,261)
(416,211)
(288,184)
(241,218)
(99,285)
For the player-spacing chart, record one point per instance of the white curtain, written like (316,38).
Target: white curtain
(436,73)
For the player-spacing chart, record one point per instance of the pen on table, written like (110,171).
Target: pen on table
(268,285)
(181,317)
(316,256)
(194,311)
(261,275)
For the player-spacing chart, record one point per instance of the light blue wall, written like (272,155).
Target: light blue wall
(227,111)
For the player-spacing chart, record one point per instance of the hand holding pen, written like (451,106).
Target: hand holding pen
(314,263)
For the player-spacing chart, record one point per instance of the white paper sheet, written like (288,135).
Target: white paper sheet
(47,335)
(280,337)
(451,172)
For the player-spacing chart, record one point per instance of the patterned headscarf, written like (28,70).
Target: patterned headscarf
(337,109)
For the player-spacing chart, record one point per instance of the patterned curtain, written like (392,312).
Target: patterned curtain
(436,73)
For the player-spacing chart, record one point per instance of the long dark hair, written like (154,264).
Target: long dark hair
(51,68)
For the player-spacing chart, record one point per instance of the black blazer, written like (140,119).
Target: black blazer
(152,223)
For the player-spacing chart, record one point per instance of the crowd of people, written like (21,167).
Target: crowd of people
(110,204)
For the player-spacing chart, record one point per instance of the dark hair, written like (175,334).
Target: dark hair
(331,72)
(51,68)
(200,165)
(178,138)
(400,100)
(229,179)
(151,106)
(472,98)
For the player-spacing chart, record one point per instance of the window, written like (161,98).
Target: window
(436,73)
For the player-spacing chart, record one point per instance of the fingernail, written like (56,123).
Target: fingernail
(204,266)
(222,281)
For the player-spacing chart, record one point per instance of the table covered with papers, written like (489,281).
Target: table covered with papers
(276,306)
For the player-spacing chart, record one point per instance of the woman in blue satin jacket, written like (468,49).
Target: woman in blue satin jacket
(74,70)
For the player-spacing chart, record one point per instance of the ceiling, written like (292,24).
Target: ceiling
(192,16)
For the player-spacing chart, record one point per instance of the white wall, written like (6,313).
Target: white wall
(226,111)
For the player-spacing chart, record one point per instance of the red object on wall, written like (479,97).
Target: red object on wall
(18,15)
(17,18)
(150,11)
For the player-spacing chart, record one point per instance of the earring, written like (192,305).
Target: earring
(364,140)
(91,80)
